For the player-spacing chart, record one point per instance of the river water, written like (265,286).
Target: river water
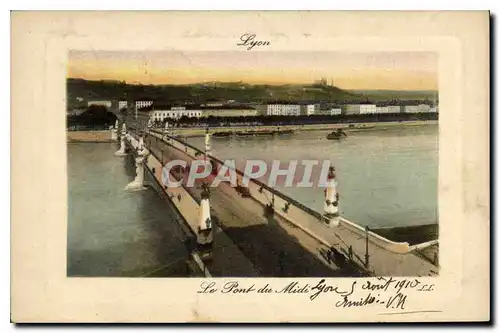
(112,232)
(387,177)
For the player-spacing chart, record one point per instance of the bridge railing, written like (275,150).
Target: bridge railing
(283,199)
(258,190)
(256,181)
(162,191)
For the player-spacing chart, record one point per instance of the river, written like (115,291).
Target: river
(387,177)
(115,233)
(112,232)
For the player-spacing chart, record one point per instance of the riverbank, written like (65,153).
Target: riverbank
(411,234)
(352,127)
(414,235)
(88,136)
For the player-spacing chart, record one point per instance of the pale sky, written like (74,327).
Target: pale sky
(375,70)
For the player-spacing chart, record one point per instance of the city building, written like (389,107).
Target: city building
(122,105)
(142,104)
(280,109)
(360,108)
(394,108)
(417,108)
(367,109)
(216,103)
(310,109)
(424,108)
(176,112)
(382,109)
(229,112)
(410,109)
(99,103)
(75,112)
(335,111)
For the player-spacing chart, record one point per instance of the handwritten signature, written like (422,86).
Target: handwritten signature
(393,302)
(390,292)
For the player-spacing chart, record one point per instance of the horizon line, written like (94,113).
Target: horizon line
(255,84)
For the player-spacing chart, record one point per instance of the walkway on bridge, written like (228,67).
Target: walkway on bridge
(278,247)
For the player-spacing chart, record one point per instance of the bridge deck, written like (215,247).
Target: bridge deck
(228,260)
(274,246)
(278,247)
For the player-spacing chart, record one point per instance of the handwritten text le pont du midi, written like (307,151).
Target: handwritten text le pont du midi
(389,293)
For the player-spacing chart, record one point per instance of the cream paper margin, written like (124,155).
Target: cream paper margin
(40,290)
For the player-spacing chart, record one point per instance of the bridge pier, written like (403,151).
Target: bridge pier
(138,183)
(331,214)
(114,132)
(123,146)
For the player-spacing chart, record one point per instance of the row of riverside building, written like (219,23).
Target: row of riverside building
(157,112)
(314,109)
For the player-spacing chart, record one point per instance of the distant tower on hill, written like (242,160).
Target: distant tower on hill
(323,82)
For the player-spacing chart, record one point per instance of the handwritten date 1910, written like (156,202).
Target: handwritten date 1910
(384,284)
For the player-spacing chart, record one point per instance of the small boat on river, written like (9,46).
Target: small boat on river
(221,134)
(265,132)
(255,133)
(337,135)
(284,132)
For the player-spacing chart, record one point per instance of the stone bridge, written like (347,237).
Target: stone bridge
(294,241)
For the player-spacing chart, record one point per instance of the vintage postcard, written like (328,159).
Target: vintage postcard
(198,166)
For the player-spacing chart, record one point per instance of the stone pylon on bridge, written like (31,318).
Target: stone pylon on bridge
(138,183)
(208,152)
(204,235)
(331,214)
(141,143)
(123,147)
(114,131)
(208,144)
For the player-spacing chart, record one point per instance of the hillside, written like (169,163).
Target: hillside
(378,95)
(201,92)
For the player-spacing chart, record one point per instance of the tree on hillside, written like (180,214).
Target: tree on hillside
(95,115)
